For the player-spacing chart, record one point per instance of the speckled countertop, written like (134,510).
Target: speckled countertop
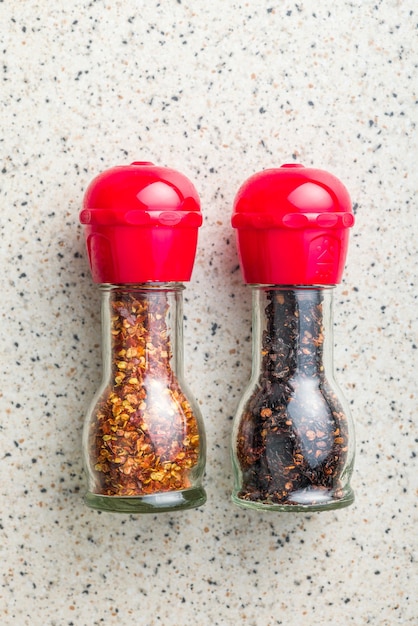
(218,90)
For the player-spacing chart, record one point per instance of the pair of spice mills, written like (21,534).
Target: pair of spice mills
(293,437)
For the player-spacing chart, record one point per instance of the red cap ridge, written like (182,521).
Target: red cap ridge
(292,226)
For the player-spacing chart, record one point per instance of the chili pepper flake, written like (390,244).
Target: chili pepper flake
(144,436)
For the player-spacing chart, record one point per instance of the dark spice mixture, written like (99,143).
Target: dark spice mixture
(292,439)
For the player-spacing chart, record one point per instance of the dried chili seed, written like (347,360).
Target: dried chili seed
(144,436)
(292,438)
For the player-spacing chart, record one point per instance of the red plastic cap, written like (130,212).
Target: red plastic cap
(141,223)
(292,226)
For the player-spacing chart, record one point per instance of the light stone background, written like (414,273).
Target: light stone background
(218,90)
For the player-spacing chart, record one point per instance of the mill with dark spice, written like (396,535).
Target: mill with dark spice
(144,442)
(293,436)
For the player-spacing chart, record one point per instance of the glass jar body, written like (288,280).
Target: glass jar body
(143,439)
(293,436)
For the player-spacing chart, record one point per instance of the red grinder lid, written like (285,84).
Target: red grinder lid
(292,226)
(141,223)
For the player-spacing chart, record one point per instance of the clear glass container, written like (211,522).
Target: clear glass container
(293,436)
(143,440)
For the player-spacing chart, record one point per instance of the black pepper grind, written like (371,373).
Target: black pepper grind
(293,437)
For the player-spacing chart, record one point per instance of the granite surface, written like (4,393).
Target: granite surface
(218,90)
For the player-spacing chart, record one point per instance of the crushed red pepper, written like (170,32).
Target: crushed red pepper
(143,437)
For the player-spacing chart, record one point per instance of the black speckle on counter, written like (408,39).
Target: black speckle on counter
(214,327)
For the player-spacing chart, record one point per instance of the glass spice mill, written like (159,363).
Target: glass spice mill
(143,440)
(293,437)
